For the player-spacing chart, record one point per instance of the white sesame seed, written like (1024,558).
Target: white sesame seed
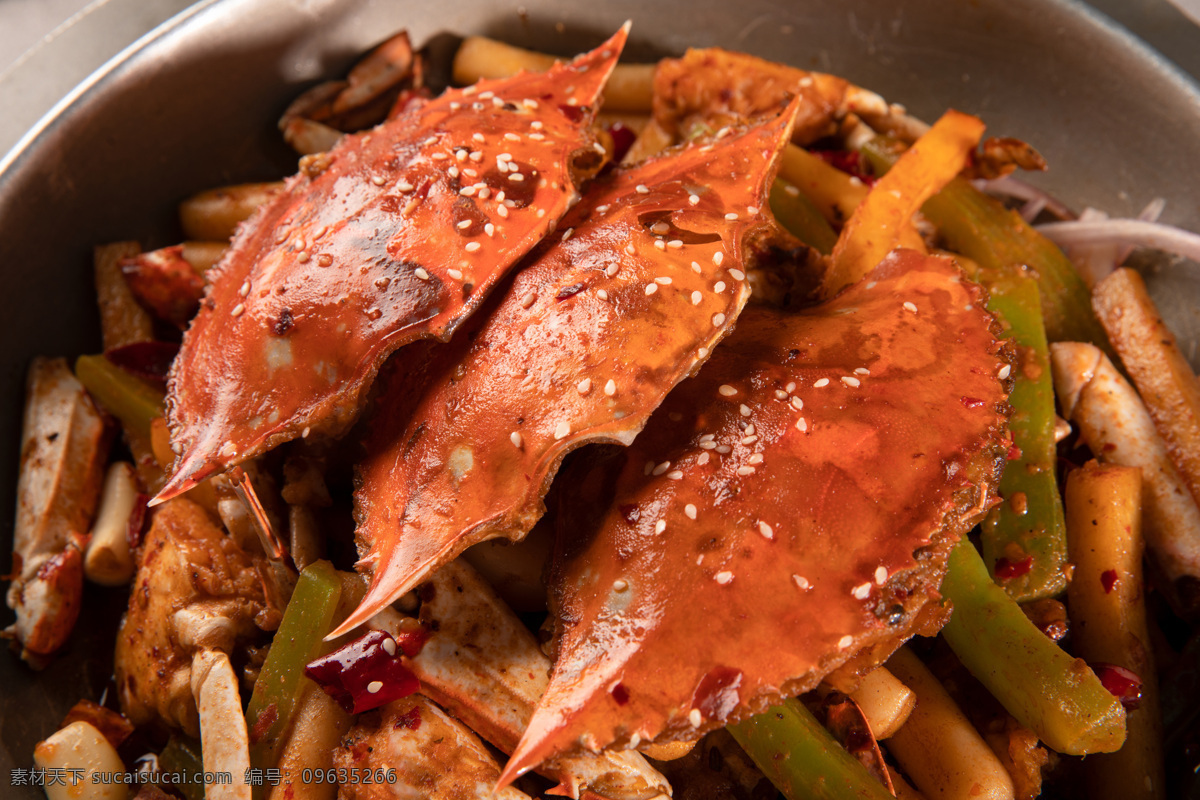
(780,394)
(696,297)
(881,575)
(303,257)
(378,180)
(749,431)
(690,511)
(801,581)
(439,156)
(661,468)
(702,352)
(486,95)
(693,199)
(421,273)
(304,433)
(751,439)
(612,269)
(467,191)
(610,388)
(663,281)
(707,445)
(502,211)
(452,172)
(541,212)
(476,156)
(718,320)
(602,294)
(228,450)
(695,718)
(726,390)
(537,123)
(512,137)
(791,387)
(695,267)
(389,646)
(821,382)
(731,216)
(766,530)
(675,244)
(374,686)
(516,177)
(238,310)
(584,386)
(744,471)
(736,274)
(801,425)
(455,273)
(660,244)
(620,585)
(1004,372)
(563,430)
(797,403)
(404,186)
(515,438)
(910,306)
(641,189)
(862,371)
(660,526)
(660,228)
(724,449)
(744,410)
(845,642)
(471,247)
(792,190)
(466,223)
(757,458)
(675,475)
(723,577)
(703,459)
(862,591)
(719,286)
(718,258)
(851,381)
(245,290)
(651,288)
(477,137)
(537,137)
(751,210)
(567,234)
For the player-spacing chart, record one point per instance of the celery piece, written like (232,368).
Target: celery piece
(300,639)
(802,759)
(1056,696)
(800,216)
(129,399)
(182,758)
(1029,523)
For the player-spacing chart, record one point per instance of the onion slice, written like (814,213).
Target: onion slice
(1125,232)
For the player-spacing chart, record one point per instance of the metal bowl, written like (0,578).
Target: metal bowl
(195,104)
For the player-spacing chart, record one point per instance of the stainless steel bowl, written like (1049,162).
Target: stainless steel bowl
(195,105)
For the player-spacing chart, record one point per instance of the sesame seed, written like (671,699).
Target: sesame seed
(537,137)
(693,199)
(467,191)
(661,468)
(675,475)
(726,390)
(378,180)
(477,137)
(751,439)
(303,257)
(486,95)
(429,141)
(695,718)
(516,177)
(461,154)
(515,438)
(744,410)
(651,288)
(791,387)
(238,310)
(718,258)
(851,381)
(881,575)
(736,274)
(724,449)
(541,212)
(749,429)
(702,352)
(703,459)
(801,581)
(792,190)
(629,249)
(476,156)
(821,382)
(660,228)
(562,431)
(780,394)
(584,386)
(862,591)
(439,156)
(797,403)
(537,123)
(660,244)
(660,526)
(731,216)
(675,244)
(455,273)
(664,281)
(489,229)
(641,189)
(695,267)
(502,211)
(719,286)
(723,577)
(757,458)
(602,294)
(421,273)
(766,530)
(389,646)
(744,471)
(304,433)
(404,186)
(452,172)
(690,511)
(845,642)
(751,210)
(466,223)
(512,137)
(245,290)
(696,298)
(374,686)
(862,371)
(567,234)
(707,445)
(718,320)
(1004,372)
(620,585)
(910,306)
(528,299)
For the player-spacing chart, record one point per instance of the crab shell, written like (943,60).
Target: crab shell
(781,512)
(394,235)
(583,345)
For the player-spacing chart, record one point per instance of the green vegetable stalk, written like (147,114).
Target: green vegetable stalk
(300,639)
(794,211)
(1056,696)
(181,756)
(802,759)
(131,400)
(1024,538)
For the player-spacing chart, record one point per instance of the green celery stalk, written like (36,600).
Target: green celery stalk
(794,211)
(300,639)
(129,399)
(1029,523)
(1056,696)
(802,759)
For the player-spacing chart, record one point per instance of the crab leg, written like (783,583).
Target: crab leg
(484,666)
(584,343)
(742,530)
(396,234)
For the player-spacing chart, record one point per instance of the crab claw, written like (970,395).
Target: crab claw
(583,345)
(396,234)
(789,508)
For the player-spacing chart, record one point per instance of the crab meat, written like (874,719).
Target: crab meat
(742,529)
(396,234)
(484,666)
(64,442)
(640,285)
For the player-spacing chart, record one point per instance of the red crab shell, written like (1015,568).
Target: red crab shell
(395,234)
(762,528)
(583,345)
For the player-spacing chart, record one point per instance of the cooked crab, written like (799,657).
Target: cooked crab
(339,269)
